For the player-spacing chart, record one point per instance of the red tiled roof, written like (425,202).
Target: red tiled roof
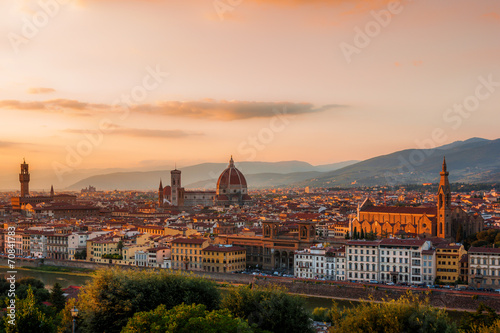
(402,242)
(484,250)
(401,210)
(363,242)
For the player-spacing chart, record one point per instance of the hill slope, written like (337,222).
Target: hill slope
(471,161)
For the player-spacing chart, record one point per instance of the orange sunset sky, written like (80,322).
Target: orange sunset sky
(138,84)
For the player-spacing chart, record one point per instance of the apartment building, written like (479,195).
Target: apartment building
(187,253)
(484,267)
(448,262)
(362,258)
(224,258)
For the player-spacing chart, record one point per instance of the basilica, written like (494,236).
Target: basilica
(231,190)
(443,220)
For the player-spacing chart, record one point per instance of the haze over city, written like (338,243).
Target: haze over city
(190,82)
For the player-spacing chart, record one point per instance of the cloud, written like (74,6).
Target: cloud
(138,132)
(204,109)
(40,90)
(228,110)
(7,144)
(54,105)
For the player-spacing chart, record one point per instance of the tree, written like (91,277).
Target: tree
(186,318)
(321,314)
(408,314)
(484,316)
(37,286)
(362,234)
(82,255)
(57,297)
(29,317)
(114,295)
(270,308)
(119,246)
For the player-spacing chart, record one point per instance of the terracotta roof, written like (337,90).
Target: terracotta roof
(231,176)
(402,242)
(363,242)
(401,210)
(484,250)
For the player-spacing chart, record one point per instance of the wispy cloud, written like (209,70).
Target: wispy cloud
(139,132)
(228,110)
(54,105)
(205,109)
(7,144)
(40,90)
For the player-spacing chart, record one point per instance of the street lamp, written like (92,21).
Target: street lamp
(74,314)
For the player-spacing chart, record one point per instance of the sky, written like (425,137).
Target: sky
(138,84)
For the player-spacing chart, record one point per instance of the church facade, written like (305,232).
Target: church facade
(441,221)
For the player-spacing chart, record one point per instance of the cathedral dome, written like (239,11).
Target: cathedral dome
(232,187)
(231,178)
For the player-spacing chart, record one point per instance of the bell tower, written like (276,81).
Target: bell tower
(160,195)
(444,204)
(175,182)
(24,179)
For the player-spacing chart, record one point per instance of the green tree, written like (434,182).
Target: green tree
(81,254)
(28,317)
(362,234)
(408,314)
(186,318)
(270,308)
(484,316)
(38,288)
(114,295)
(321,314)
(57,297)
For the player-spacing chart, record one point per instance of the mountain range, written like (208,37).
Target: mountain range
(474,160)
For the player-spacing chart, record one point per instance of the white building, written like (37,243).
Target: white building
(484,267)
(77,242)
(335,264)
(38,244)
(402,261)
(362,260)
(310,263)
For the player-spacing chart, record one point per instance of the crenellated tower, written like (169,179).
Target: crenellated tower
(24,179)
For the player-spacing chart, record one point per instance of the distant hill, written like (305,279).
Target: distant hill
(472,161)
(205,175)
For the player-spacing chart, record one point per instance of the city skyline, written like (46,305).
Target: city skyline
(143,84)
